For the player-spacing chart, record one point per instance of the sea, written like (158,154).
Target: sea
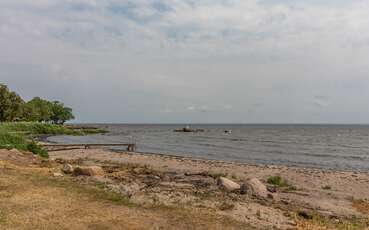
(341,147)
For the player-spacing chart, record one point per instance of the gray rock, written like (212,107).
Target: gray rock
(228,184)
(67,168)
(271,188)
(258,189)
(57,175)
(244,189)
(88,171)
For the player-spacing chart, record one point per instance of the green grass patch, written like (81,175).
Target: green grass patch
(17,141)
(18,134)
(12,141)
(36,128)
(37,149)
(279,182)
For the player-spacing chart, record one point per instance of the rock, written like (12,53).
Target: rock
(58,175)
(258,189)
(227,184)
(88,171)
(244,189)
(271,188)
(67,168)
(305,214)
(273,196)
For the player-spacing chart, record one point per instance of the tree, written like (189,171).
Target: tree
(40,110)
(13,108)
(11,105)
(60,113)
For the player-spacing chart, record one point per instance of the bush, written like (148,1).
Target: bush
(277,181)
(11,141)
(36,128)
(37,149)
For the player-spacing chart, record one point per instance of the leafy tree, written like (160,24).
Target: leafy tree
(11,105)
(61,114)
(13,108)
(40,110)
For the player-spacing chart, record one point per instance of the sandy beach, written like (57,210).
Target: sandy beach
(338,198)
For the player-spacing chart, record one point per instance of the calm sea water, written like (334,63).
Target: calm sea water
(322,146)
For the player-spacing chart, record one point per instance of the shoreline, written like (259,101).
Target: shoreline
(330,193)
(206,160)
(302,198)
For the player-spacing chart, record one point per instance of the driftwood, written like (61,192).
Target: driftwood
(61,147)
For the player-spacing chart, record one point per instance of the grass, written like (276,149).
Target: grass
(279,182)
(316,221)
(11,140)
(62,203)
(93,192)
(18,135)
(36,128)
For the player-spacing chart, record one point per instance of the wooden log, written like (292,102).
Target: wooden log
(130,147)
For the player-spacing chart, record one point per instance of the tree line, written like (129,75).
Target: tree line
(14,108)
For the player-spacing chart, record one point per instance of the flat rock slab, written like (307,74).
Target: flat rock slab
(228,184)
(89,171)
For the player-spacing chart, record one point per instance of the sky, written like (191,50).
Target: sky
(191,61)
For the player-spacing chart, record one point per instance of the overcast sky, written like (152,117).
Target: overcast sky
(168,61)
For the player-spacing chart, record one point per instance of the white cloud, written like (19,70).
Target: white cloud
(214,55)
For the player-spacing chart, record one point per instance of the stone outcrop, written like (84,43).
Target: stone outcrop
(88,171)
(67,168)
(257,188)
(228,184)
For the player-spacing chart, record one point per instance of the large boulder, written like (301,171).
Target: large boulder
(228,184)
(67,168)
(88,171)
(257,188)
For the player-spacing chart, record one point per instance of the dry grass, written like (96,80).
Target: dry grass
(323,223)
(361,205)
(31,199)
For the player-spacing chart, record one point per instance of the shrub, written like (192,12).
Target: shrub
(37,149)
(277,181)
(10,141)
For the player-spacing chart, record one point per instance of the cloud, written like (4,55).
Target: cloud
(125,57)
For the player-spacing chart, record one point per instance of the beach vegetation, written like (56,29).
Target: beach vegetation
(280,182)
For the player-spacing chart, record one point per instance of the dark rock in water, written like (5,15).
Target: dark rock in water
(187,129)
